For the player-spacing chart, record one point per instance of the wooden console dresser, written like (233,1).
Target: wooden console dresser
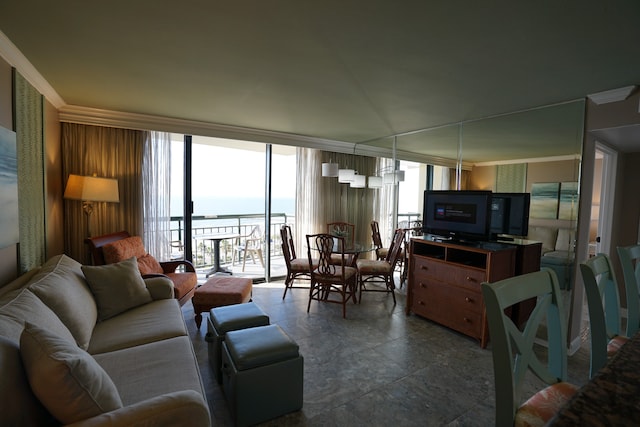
(444,281)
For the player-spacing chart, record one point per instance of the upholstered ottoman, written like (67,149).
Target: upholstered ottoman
(219,291)
(226,319)
(262,374)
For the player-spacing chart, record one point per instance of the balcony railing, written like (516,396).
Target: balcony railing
(233,224)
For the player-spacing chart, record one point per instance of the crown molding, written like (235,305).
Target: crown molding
(110,118)
(532,160)
(16,59)
(613,95)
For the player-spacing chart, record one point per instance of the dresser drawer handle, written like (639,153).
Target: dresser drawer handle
(467,299)
(423,285)
(471,279)
(424,267)
(420,302)
(466,319)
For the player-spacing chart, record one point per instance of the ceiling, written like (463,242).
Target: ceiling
(354,71)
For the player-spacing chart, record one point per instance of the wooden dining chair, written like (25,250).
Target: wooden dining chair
(381,251)
(630,262)
(327,278)
(372,271)
(513,348)
(297,268)
(603,301)
(343,229)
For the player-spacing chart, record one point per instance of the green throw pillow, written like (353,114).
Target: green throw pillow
(117,287)
(65,378)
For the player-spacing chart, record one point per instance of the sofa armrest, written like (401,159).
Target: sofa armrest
(171,266)
(159,286)
(177,408)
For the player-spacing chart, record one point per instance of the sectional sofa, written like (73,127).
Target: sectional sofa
(91,346)
(558,251)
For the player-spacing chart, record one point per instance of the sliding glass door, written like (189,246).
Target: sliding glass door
(234,225)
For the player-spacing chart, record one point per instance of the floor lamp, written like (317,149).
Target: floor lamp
(91,189)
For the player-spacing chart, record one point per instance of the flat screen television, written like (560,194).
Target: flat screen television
(510,214)
(458,215)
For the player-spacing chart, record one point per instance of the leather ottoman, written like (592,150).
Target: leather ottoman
(219,291)
(262,373)
(226,319)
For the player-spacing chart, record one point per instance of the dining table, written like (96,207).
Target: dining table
(611,397)
(216,238)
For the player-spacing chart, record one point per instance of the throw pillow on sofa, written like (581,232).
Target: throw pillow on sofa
(131,247)
(65,378)
(117,287)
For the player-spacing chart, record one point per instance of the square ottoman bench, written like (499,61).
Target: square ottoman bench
(262,373)
(226,319)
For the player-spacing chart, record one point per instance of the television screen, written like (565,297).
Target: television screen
(510,214)
(457,214)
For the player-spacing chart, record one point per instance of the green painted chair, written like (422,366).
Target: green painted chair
(513,349)
(630,261)
(603,300)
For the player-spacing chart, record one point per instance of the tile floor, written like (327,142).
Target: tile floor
(378,367)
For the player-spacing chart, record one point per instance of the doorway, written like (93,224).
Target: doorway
(602,200)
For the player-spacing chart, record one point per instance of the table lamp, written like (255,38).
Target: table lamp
(91,189)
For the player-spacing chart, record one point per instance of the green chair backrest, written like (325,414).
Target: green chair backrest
(630,261)
(513,353)
(603,300)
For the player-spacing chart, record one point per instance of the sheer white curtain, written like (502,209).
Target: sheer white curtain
(156,186)
(383,204)
(321,200)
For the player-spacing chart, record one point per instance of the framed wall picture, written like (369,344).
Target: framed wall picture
(568,206)
(544,200)
(9,222)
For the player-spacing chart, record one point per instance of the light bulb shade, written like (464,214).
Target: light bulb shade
(92,189)
(375,182)
(359,181)
(346,175)
(394,177)
(330,170)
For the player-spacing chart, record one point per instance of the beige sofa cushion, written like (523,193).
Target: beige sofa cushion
(153,369)
(116,287)
(546,235)
(25,306)
(155,321)
(18,405)
(61,285)
(66,379)
(566,240)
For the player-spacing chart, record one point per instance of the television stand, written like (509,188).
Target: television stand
(444,281)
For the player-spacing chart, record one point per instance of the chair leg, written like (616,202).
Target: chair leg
(288,282)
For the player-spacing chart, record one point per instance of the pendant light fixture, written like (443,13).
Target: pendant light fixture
(330,169)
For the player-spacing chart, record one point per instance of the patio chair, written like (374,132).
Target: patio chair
(250,245)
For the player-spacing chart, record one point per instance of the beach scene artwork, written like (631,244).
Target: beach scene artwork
(544,200)
(9,222)
(568,208)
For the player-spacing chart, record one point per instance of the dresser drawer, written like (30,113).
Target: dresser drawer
(428,269)
(451,306)
(438,293)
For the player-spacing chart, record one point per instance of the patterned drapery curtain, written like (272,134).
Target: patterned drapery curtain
(109,153)
(30,155)
(156,191)
(322,200)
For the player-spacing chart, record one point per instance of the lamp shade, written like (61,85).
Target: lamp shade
(375,182)
(92,189)
(394,177)
(346,175)
(330,170)
(359,181)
